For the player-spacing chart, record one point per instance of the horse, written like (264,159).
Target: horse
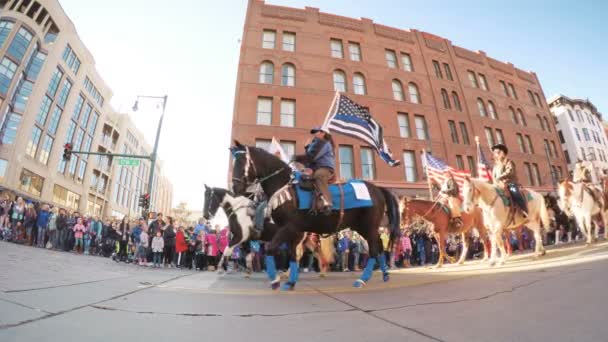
(241,227)
(254,165)
(435,214)
(578,203)
(497,216)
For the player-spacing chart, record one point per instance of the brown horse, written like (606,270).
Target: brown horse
(434,213)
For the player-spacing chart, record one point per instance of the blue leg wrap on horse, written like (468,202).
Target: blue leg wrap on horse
(293,272)
(369,268)
(271,268)
(382,261)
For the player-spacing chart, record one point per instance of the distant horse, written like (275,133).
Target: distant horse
(575,201)
(434,213)
(256,166)
(497,216)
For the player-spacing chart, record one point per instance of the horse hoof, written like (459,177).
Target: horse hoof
(322,275)
(275,285)
(543,253)
(492,263)
(288,287)
(359,284)
(386,277)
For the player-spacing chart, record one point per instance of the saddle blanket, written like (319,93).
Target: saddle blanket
(506,198)
(356,195)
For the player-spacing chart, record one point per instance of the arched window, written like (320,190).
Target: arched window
(266,72)
(456,100)
(547,124)
(492,110)
(540,121)
(520,116)
(482,107)
(359,84)
(398,91)
(446,99)
(339,81)
(414,95)
(513,116)
(288,75)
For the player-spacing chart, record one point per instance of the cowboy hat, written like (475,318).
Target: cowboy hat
(500,147)
(318,129)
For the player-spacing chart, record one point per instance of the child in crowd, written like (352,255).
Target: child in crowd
(158,245)
(78,235)
(142,249)
(180,246)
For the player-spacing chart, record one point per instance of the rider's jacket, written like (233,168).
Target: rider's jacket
(504,173)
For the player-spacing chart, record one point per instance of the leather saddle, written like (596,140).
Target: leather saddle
(307,181)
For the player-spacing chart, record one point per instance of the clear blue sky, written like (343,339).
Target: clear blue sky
(189,50)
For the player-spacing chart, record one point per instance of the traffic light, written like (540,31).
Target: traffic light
(141,201)
(144,201)
(67,151)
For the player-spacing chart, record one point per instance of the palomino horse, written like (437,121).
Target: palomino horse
(435,214)
(497,216)
(253,165)
(575,201)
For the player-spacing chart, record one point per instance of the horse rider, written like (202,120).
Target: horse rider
(582,174)
(450,192)
(505,176)
(319,156)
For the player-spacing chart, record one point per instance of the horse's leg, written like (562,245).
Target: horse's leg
(373,241)
(535,228)
(282,235)
(296,239)
(508,245)
(501,246)
(441,247)
(299,252)
(493,246)
(465,248)
(520,240)
(605,221)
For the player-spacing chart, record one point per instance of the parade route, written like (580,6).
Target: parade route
(54,296)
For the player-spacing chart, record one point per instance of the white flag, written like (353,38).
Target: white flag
(276,149)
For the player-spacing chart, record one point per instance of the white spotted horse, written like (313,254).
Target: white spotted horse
(256,166)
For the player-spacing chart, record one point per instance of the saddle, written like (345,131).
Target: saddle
(595,194)
(307,181)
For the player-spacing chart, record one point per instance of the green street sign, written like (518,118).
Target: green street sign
(128,162)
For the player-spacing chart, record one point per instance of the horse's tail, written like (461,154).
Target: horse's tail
(544,214)
(392,210)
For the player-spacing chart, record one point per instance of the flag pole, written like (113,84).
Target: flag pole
(428,178)
(329,112)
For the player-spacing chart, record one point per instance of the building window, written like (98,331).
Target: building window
(354,50)
(446,99)
(531,98)
(54,123)
(499,137)
(54,84)
(5,30)
(289,75)
(586,134)
(404,125)
(464,133)
(570,115)
(32,144)
(513,92)
(453,131)
(77,108)
(536,174)
(24,90)
(421,128)
(530,146)
(19,44)
(437,67)
(540,122)
(503,86)
(482,108)
(346,162)
(583,154)
(406,60)
(391,58)
(266,72)
(65,197)
(31,182)
(567,156)
(456,100)
(473,79)
(3,166)
(264,115)
(289,41)
(547,124)
(472,166)
(359,84)
(489,136)
(554,149)
(448,72)
(414,95)
(528,172)
(64,93)
(459,162)
(264,144)
(289,147)
(35,65)
(288,113)
(513,116)
(367,163)
(269,38)
(45,107)
(339,81)
(336,48)
(540,103)
(561,137)
(86,114)
(492,110)
(483,82)
(578,136)
(10,129)
(397,90)
(7,71)
(548,151)
(409,163)
(520,142)
(522,119)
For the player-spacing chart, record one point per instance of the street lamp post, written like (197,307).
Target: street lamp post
(154,152)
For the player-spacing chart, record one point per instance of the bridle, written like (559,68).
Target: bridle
(226,206)
(249,164)
(475,190)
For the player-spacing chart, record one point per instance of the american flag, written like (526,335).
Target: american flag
(483,168)
(352,119)
(435,168)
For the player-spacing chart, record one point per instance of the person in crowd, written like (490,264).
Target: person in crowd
(29,222)
(421,248)
(343,250)
(88,236)
(79,230)
(42,223)
(62,224)
(123,242)
(223,238)
(180,247)
(17,217)
(191,242)
(52,230)
(69,240)
(142,248)
(364,251)
(200,249)
(169,236)
(254,246)
(212,249)
(385,238)
(158,246)
(356,251)
(5,208)
(155,226)
(406,246)
(96,234)
(136,232)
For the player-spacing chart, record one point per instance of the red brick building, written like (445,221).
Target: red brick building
(426,92)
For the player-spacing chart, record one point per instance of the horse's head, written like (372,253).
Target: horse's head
(564,190)
(468,195)
(254,165)
(243,171)
(213,199)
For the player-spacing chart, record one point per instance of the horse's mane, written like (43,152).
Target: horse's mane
(268,156)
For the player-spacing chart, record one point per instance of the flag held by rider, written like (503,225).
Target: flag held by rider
(349,118)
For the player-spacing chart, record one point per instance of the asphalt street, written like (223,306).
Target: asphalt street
(55,296)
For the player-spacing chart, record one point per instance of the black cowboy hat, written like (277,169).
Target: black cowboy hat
(318,129)
(501,147)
